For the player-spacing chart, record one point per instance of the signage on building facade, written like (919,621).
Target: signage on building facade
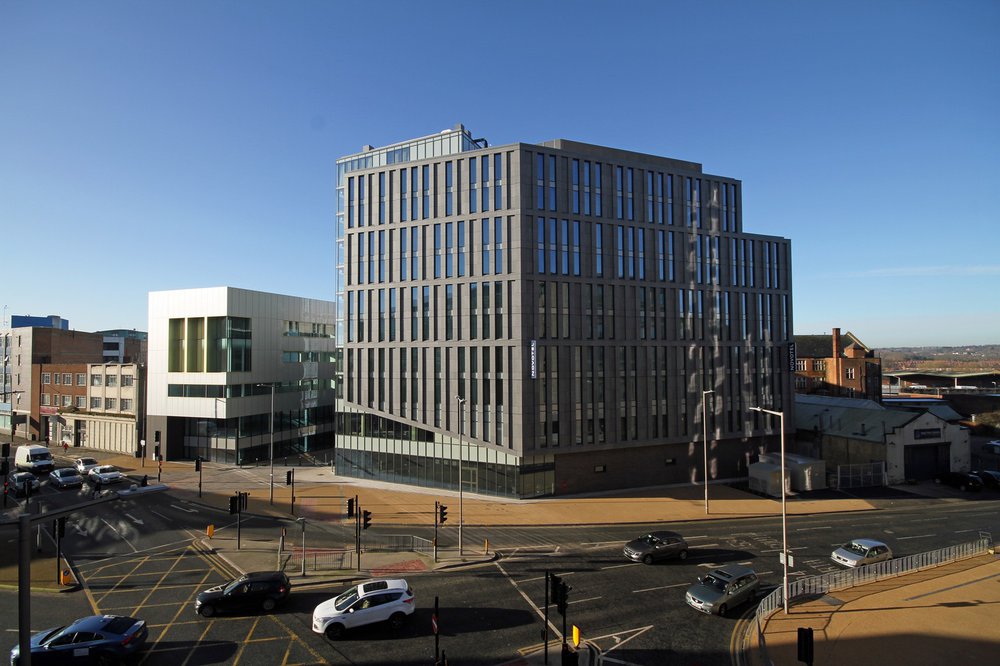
(791,357)
(927,433)
(534,359)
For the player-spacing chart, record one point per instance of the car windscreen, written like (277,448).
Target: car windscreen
(41,455)
(346,599)
(712,581)
(855,548)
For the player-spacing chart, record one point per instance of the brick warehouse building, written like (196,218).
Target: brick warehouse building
(535,319)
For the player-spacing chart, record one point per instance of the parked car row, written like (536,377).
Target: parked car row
(33,459)
(973,481)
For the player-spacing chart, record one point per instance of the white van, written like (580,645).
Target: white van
(34,458)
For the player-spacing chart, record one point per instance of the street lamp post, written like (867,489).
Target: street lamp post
(461,464)
(784,521)
(704,425)
(271,492)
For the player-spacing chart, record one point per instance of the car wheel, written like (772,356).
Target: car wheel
(335,631)
(206,610)
(647,559)
(268,604)
(397,620)
(683,555)
(722,610)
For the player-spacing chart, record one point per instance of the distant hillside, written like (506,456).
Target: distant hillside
(949,359)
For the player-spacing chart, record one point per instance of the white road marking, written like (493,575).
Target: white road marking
(662,587)
(134,519)
(618,566)
(580,601)
(122,536)
(809,529)
(919,536)
(180,508)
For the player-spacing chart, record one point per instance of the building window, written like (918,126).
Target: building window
(45,398)
(127,380)
(95,403)
(126,405)
(81,379)
(67,400)
(68,379)
(800,365)
(81,402)
(111,380)
(819,364)
(95,380)
(850,373)
(57,379)
(110,404)
(46,378)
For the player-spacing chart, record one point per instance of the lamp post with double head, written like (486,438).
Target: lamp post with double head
(704,425)
(271,456)
(784,521)
(461,464)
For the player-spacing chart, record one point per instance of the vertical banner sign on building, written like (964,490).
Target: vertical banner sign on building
(534,359)
(791,357)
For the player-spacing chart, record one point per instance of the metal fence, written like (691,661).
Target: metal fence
(861,475)
(397,543)
(318,559)
(819,585)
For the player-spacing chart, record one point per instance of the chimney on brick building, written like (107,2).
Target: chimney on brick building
(836,343)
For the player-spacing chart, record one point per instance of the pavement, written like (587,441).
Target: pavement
(951,610)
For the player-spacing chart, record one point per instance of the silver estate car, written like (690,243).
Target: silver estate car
(722,589)
(656,546)
(860,552)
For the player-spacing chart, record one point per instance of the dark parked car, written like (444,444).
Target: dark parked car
(964,481)
(261,590)
(989,477)
(96,639)
(656,546)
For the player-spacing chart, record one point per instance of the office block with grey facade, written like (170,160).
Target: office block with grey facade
(534,319)
(221,357)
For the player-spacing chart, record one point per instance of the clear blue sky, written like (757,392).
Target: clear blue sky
(165,145)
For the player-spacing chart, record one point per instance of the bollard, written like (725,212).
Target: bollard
(65,577)
(486,546)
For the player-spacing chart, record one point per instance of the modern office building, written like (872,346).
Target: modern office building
(223,362)
(536,319)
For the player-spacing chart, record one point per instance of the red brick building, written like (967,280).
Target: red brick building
(837,365)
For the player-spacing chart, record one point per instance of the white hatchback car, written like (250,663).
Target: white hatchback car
(84,465)
(369,602)
(860,552)
(105,474)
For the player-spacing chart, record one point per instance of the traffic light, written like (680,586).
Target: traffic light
(289,475)
(6,449)
(350,507)
(555,582)
(366,518)
(61,526)
(805,645)
(197,464)
(442,514)
(234,504)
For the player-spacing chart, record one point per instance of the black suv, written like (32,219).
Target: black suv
(259,590)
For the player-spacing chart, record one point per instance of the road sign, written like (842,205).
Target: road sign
(791,559)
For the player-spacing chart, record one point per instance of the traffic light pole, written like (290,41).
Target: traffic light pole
(357,530)
(436,512)
(545,632)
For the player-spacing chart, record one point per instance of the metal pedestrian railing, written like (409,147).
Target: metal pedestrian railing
(395,543)
(320,559)
(819,585)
